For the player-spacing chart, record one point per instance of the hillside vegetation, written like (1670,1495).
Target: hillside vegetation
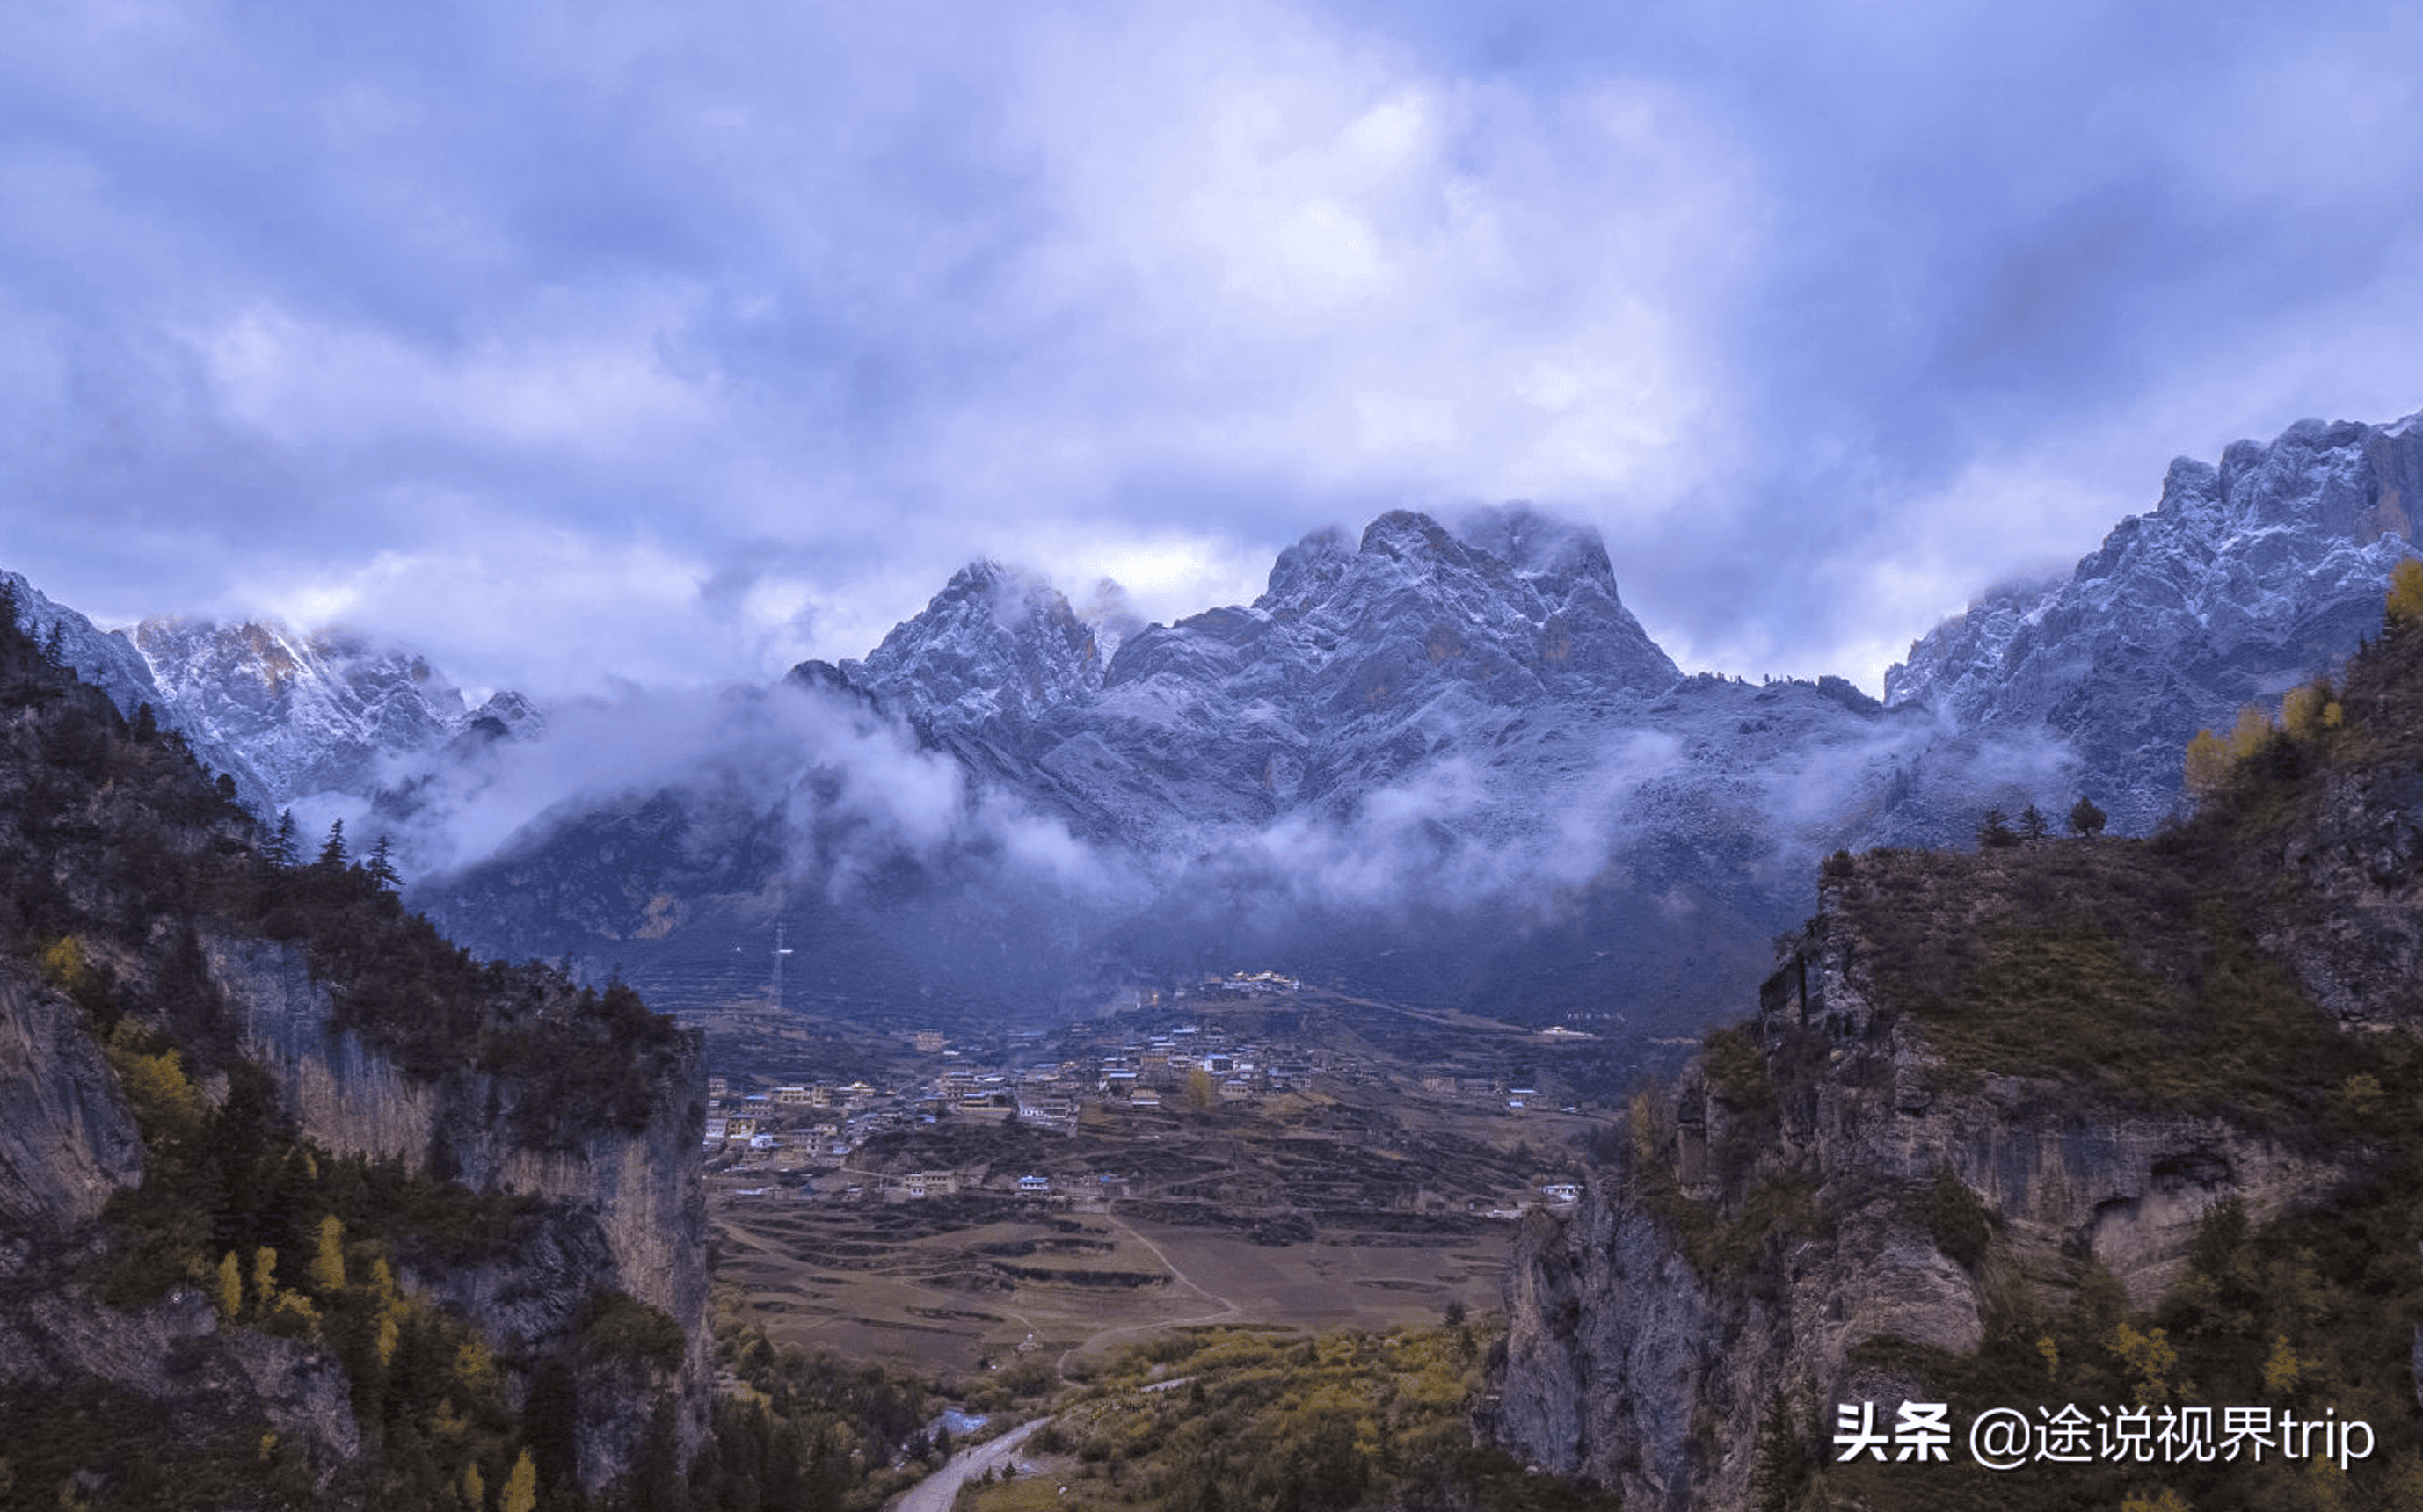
(1239,1420)
(2130,1124)
(2163,976)
(202,1306)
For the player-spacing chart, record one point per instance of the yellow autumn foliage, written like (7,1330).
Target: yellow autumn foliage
(2251,732)
(2207,763)
(2405,606)
(328,1257)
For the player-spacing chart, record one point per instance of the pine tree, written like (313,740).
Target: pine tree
(332,852)
(1782,1465)
(280,848)
(146,724)
(1995,829)
(381,868)
(2032,824)
(2085,819)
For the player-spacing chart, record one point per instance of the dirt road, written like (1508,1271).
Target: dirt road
(936,1492)
(1227,1309)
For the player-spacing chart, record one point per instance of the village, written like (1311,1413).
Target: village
(1158,1068)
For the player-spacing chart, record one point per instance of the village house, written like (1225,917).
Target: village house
(1050,1105)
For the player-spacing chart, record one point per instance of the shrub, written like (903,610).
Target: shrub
(1957,1219)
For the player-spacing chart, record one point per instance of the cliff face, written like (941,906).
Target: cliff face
(1997,1105)
(297,1201)
(67,1144)
(623,1209)
(1632,1363)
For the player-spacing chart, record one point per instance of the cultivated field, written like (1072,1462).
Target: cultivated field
(1376,1198)
(952,1282)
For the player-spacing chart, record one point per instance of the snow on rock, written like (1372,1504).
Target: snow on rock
(2246,578)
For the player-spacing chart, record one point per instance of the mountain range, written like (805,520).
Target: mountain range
(1441,760)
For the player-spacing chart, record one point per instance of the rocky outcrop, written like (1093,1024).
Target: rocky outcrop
(67,1144)
(66,1139)
(1774,1212)
(621,1209)
(191,1377)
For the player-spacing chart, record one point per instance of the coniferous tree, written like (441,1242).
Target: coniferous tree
(2085,819)
(146,724)
(332,851)
(280,848)
(2032,824)
(54,649)
(381,867)
(1782,1467)
(1995,829)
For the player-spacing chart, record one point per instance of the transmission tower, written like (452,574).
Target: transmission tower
(781,950)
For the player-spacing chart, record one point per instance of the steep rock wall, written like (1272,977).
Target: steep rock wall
(66,1139)
(1631,1362)
(67,1143)
(624,1207)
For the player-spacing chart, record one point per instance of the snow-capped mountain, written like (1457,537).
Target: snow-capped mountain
(2247,579)
(1443,761)
(303,714)
(105,658)
(290,716)
(1438,760)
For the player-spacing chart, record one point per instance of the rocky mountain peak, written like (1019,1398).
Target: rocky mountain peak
(1308,568)
(1511,588)
(1539,545)
(995,641)
(298,713)
(2248,576)
(108,659)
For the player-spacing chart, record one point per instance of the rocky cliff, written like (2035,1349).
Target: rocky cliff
(297,1201)
(2069,1121)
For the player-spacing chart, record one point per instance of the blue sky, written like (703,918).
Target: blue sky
(672,344)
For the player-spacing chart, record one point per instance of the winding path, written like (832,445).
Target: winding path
(1227,1308)
(938,1491)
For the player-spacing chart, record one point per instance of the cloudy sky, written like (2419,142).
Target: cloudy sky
(673,343)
